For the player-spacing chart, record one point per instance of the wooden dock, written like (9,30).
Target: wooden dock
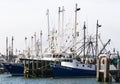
(34,68)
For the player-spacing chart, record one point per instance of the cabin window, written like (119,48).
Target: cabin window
(67,60)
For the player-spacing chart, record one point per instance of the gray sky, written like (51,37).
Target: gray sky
(20,18)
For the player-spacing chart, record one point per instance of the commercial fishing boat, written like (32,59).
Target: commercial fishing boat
(73,68)
(13,65)
(15,69)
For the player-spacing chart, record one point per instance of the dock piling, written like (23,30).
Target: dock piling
(104,72)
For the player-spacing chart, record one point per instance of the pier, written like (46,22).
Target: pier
(108,69)
(34,68)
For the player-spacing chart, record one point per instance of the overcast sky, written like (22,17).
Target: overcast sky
(20,18)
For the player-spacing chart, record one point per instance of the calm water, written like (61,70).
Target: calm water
(7,79)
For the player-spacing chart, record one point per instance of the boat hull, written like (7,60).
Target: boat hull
(63,71)
(14,69)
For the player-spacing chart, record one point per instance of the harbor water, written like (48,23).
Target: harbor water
(7,79)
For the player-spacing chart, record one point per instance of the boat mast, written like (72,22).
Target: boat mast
(35,44)
(59,35)
(32,45)
(48,26)
(41,41)
(97,26)
(59,20)
(12,45)
(12,57)
(76,9)
(25,43)
(62,21)
(26,48)
(84,38)
(7,48)
(53,41)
